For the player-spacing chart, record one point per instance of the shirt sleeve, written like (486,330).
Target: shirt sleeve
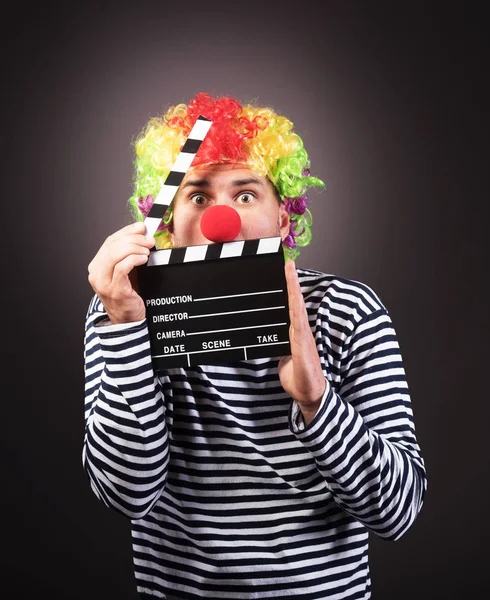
(125,449)
(363,436)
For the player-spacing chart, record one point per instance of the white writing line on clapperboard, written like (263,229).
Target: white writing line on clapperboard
(244,348)
(238,295)
(235,312)
(189,298)
(184,316)
(236,328)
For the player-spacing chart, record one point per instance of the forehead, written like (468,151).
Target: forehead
(222,173)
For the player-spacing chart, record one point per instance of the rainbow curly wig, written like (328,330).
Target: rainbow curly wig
(255,136)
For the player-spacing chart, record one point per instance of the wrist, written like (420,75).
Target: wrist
(125,317)
(309,413)
(310,408)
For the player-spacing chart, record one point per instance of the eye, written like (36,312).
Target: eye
(245,198)
(198,200)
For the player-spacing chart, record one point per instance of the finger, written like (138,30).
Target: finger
(134,238)
(300,335)
(143,240)
(133,278)
(138,228)
(297,308)
(125,266)
(289,271)
(100,270)
(123,252)
(103,266)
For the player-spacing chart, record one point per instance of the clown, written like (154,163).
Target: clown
(258,479)
(248,137)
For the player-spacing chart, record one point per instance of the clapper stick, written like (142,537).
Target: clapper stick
(176,175)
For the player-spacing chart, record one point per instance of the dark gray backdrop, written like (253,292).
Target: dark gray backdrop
(391,102)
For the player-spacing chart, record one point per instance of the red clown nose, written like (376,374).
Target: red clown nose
(220,223)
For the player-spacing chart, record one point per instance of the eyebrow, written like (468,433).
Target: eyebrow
(205,183)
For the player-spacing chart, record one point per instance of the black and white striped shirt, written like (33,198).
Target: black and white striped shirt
(229,496)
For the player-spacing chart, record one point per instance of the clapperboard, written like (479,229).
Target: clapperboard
(216,303)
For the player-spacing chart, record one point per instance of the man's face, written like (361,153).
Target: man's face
(235,185)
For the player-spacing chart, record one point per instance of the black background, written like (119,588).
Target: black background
(391,101)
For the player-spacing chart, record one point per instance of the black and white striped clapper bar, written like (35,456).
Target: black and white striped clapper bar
(216,303)
(174,178)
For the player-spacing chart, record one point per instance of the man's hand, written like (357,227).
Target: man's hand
(301,373)
(110,273)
